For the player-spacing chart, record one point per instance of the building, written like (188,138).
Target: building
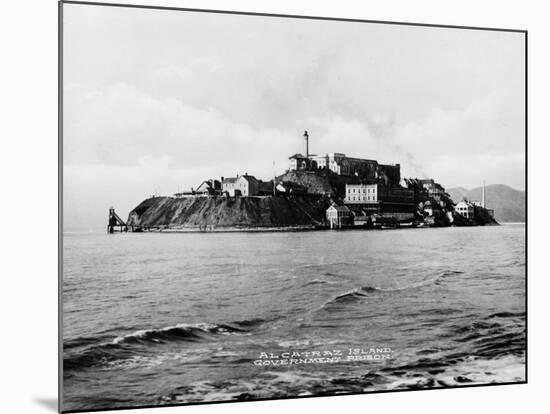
(433,188)
(339,216)
(420,193)
(367,169)
(243,185)
(207,188)
(382,200)
(362,219)
(299,162)
(361,194)
(465,209)
(265,188)
(483,202)
(428,208)
(341,164)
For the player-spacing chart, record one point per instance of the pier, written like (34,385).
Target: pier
(115,222)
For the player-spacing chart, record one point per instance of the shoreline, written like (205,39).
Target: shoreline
(73,231)
(231,229)
(286,229)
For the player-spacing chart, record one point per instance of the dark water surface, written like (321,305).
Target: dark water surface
(173,318)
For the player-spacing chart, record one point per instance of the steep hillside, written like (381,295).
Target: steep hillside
(315,182)
(508,203)
(223,212)
(320,183)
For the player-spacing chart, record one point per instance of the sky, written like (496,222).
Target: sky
(156,101)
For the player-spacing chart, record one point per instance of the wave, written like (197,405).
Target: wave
(487,351)
(183,332)
(332,274)
(82,341)
(493,336)
(506,315)
(352,295)
(318,282)
(506,369)
(136,343)
(251,323)
(363,292)
(495,355)
(416,375)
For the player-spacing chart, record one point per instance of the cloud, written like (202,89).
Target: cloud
(158,101)
(122,144)
(121,125)
(464,146)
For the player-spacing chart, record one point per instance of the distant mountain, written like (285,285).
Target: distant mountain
(458,193)
(508,203)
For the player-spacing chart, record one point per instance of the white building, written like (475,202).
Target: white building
(343,165)
(338,216)
(361,193)
(244,185)
(465,209)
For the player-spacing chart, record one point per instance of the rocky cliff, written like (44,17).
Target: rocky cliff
(315,182)
(481,218)
(227,212)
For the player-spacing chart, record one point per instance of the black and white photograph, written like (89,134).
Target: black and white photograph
(261,206)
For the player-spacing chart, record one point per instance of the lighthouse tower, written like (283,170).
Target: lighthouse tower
(483,195)
(306,144)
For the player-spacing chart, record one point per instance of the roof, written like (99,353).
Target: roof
(361,185)
(207,184)
(249,177)
(230,180)
(297,156)
(366,160)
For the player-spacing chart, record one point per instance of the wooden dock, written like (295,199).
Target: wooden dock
(115,222)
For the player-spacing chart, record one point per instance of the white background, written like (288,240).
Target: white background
(28,204)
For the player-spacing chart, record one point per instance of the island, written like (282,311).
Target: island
(330,191)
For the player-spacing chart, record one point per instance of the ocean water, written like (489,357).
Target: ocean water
(178,318)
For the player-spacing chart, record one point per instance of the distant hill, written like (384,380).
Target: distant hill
(508,203)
